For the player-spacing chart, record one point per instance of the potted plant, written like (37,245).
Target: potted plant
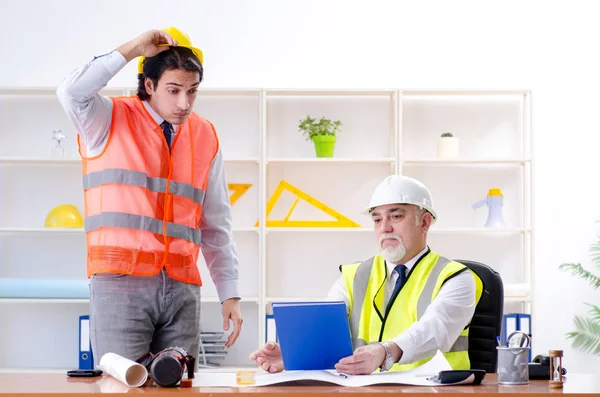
(586,336)
(322,133)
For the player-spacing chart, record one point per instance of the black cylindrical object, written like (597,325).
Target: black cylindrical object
(166,370)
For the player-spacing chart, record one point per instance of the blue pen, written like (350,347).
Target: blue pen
(498,340)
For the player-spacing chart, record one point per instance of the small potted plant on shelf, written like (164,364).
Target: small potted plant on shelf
(322,133)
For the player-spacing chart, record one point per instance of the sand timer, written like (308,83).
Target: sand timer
(556,369)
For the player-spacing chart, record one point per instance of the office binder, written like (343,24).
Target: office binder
(312,335)
(524,324)
(509,326)
(86,358)
(271,329)
(516,322)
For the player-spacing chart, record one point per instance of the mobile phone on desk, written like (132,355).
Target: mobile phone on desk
(84,373)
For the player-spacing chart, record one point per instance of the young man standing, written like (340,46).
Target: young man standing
(155,196)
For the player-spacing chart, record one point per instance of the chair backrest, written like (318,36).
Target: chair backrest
(486,323)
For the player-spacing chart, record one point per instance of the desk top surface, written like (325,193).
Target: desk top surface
(56,384)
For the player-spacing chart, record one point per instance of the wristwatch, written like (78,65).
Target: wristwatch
(389,360)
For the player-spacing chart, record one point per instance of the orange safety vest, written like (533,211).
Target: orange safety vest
(142,203)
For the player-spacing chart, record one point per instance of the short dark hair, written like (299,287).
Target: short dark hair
(174,58)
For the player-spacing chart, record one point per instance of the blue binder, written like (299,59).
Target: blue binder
(517,322)
(509,325)
(524,324)
(312,335)
(271,329)
(86,358)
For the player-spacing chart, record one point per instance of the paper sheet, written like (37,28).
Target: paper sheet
(417,377)
(127,371)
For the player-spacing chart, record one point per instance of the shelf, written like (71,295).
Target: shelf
(28,90)
(332,92)
(466,230)
(51,91)
(284,92)
(463,92)
(521,290)
(42,300)
(480,230)
(389,131)
(39,160)
(35,230)
(499,161)
(242,160)
(214,299)
(207,91)
(296,299)
(41,230)
(337,160)
(208,299)
(50,160)
(318,229)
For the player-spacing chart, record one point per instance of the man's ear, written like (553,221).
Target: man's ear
(426,221)
(149,85)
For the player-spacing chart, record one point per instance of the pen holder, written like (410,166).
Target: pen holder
(513,365)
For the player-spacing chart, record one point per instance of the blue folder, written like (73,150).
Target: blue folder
(86,357)
(312,335)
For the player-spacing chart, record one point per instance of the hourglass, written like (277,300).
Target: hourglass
(58,150)
(556,369)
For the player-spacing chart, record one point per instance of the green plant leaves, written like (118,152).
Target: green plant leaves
(324,126)
(578,270)
(587,335)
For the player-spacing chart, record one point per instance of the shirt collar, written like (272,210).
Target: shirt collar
(409,264)
(157,118)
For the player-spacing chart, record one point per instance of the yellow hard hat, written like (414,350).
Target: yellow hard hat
(64,215)
(182,39)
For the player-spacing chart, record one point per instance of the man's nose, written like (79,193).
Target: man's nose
(183,102)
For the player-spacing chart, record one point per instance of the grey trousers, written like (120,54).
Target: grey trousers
(134,315)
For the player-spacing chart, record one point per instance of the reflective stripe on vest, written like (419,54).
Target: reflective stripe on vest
(141,179)
(361,281)
(140,222)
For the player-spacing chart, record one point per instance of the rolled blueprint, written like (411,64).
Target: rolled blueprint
(129,372)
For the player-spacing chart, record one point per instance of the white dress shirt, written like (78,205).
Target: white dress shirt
(442,322)
(91,113)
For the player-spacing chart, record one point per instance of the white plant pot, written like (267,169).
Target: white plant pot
(447,147)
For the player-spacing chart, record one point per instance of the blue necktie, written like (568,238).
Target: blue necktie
(401,270)
(167,130)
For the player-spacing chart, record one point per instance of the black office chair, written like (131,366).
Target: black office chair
(486,324)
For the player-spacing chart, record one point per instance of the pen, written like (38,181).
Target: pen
(498,340)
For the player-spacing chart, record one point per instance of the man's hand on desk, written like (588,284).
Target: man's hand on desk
(269,357)
(366,359)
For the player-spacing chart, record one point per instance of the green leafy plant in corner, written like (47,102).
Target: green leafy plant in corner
(586,336)
(310,127)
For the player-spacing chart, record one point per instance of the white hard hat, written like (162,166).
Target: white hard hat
(400,189)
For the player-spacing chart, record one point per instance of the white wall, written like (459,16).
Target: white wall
(550,48)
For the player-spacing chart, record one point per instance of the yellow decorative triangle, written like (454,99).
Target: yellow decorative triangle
(238,190)
(341,220)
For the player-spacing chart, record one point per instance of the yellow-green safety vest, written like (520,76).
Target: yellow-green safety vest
(368,319)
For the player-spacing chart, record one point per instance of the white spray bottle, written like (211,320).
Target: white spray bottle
(494,201)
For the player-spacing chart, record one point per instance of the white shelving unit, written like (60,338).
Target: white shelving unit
(384,131)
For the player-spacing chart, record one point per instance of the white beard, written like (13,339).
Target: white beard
(392,254)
